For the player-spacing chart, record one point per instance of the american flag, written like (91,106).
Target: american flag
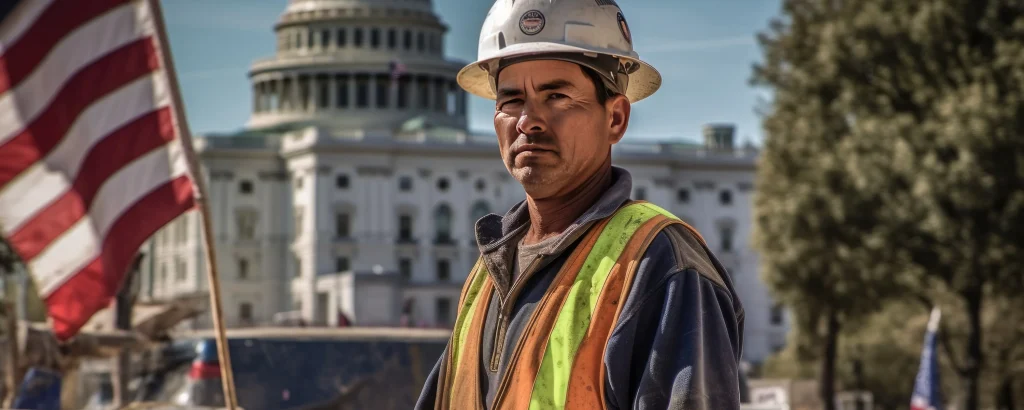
(927,391)
(91,160)
(397,69)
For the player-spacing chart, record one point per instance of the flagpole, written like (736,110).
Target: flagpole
(224,358)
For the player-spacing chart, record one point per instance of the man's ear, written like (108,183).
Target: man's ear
(618,109)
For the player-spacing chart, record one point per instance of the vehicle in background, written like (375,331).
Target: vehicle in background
(295,368)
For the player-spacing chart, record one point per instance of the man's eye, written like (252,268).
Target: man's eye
(556,96)
(509,102)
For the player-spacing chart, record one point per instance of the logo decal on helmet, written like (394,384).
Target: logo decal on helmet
(606,3)
(532,22)
(624,28)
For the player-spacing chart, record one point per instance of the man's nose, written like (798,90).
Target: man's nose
(531,121)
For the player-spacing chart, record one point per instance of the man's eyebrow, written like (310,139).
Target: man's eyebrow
(506,92)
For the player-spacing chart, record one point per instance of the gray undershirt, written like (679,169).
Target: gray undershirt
(525,254)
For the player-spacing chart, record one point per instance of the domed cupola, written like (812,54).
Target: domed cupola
(357,65)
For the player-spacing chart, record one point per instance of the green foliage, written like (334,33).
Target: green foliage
(893,164)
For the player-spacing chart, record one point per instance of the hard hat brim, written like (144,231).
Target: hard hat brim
(475,79)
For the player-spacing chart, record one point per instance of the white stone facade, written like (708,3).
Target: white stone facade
(369,210)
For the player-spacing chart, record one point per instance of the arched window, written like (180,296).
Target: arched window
(443,224)
(479,210)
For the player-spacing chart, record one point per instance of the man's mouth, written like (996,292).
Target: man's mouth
(530,149)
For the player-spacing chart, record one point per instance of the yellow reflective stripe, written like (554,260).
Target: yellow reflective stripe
(465,317)
(574,318)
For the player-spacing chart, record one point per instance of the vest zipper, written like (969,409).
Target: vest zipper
(504,310)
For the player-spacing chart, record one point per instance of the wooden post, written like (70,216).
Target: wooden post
(226,374)
(122,317)
(11,353)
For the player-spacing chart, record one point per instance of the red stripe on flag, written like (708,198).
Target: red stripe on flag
(91,289)
(58,20)
(120,148)
(96,80)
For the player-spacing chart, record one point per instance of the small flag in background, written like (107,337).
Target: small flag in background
(397,70)
(927,391)
(91,163)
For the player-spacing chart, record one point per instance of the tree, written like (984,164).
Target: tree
(809,228)
(931,95)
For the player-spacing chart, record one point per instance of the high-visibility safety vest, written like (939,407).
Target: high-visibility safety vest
(558,361)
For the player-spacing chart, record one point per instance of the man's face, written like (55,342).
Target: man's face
(552,131)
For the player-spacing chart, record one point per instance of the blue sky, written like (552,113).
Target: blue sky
(703,49)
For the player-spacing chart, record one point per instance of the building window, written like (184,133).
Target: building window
(442,310)
(342,181)
(383,82)
(243,268)
(341,264)
(245,223)
(403,92)
(375,38)
(342,88)
(480,209)
(325,38)
(419,42)
(776,314)
(405,228)
(423,84)
(362,91)
(179,270)
(442,184)
(444,270)
(342,38)
(245,186)
(357,37)
(405,183)
(726,234)
(443,224)
(640,194)
(481,185)
(392,39)
(341,225)
(725,197)
(304,91)
(406,269)
(439,95)
(324,88)
(407,40)
(683,195)
(309,39)
(245,313)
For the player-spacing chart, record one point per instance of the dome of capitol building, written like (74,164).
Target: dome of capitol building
(351,64)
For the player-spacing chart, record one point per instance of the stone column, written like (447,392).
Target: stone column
(256,101)
(314,93)
(352,90)
(295,96)
(431,94)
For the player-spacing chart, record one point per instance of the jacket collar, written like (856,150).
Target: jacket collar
(498,236)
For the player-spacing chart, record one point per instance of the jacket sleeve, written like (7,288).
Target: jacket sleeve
(677,344)
(429,392)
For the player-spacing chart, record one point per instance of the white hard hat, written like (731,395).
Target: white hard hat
(593,33)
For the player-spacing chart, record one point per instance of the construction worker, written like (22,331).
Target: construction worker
(582,298)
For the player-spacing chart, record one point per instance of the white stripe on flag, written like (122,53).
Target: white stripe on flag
(20,19)
(48,179)
(91,42)
(78,246)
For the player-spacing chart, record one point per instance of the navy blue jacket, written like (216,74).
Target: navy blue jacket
(678,341)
